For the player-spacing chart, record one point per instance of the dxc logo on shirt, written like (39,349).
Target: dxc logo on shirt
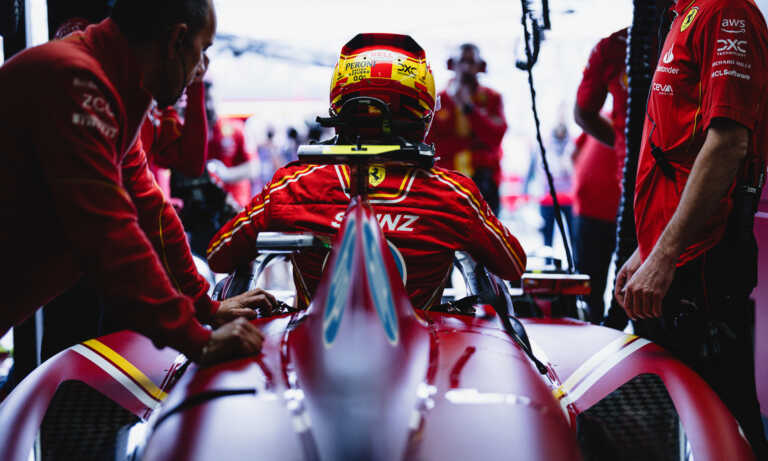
(729,45)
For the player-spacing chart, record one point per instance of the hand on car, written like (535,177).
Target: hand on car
(238,338)
(641,286)
(243,305)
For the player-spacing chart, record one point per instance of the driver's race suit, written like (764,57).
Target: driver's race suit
(425,214)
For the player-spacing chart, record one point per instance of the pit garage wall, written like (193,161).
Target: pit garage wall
(760,296)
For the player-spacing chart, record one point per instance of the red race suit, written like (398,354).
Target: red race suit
(468,142)
(712,65)
(425,214)
(77,195)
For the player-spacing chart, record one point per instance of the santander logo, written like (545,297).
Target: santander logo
(669,56)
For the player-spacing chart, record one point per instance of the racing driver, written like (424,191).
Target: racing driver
(427,214)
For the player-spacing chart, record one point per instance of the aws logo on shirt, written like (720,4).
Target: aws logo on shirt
(734,26)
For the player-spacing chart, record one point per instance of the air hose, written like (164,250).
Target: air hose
(531,56)
(641,62)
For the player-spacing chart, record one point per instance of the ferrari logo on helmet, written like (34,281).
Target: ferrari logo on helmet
(376,175)
(689,18)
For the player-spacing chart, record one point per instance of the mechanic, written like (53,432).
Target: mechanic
(226,146)
(597,177)
(468,128)
(701,168)
(425,214)
(77,188)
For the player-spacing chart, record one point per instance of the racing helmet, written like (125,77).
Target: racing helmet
(391,68)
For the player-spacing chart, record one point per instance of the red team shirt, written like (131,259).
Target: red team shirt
(76,195)
(596,187)
(606,72)
(425,214)
(713,64)
(597,175)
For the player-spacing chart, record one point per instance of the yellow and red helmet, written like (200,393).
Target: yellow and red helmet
(389,67)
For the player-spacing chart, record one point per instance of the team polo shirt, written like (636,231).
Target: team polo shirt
(597,173)
(606,72)
(712,65)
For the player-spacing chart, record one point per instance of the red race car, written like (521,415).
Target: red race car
(361,374)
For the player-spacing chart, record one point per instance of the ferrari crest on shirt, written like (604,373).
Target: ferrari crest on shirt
(689,18)
(376,175)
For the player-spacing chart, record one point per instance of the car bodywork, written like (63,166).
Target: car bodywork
(363,375)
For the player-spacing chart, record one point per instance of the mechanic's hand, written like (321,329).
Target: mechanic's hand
(646,288)
(243,305)
(464,95)
(627,271)
(238,338)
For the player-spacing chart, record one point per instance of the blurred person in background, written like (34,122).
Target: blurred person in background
(289,149)
(597,175)
(469,125)
(269,157)
(226,144)
(98,207)
(559,148)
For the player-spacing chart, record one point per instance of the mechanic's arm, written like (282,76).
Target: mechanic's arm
(591,95)
(184,146)
(488,240)
(595,125)
(235,243)
(712,177)
(160,222)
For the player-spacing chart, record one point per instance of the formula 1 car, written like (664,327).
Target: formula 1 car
(361,374)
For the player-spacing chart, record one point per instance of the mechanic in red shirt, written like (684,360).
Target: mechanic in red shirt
(702,162)
(470,124)
(77,197)
(426,214)
(227,144)
(597,175)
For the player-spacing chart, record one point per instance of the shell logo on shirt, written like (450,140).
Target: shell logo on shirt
(689,18)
